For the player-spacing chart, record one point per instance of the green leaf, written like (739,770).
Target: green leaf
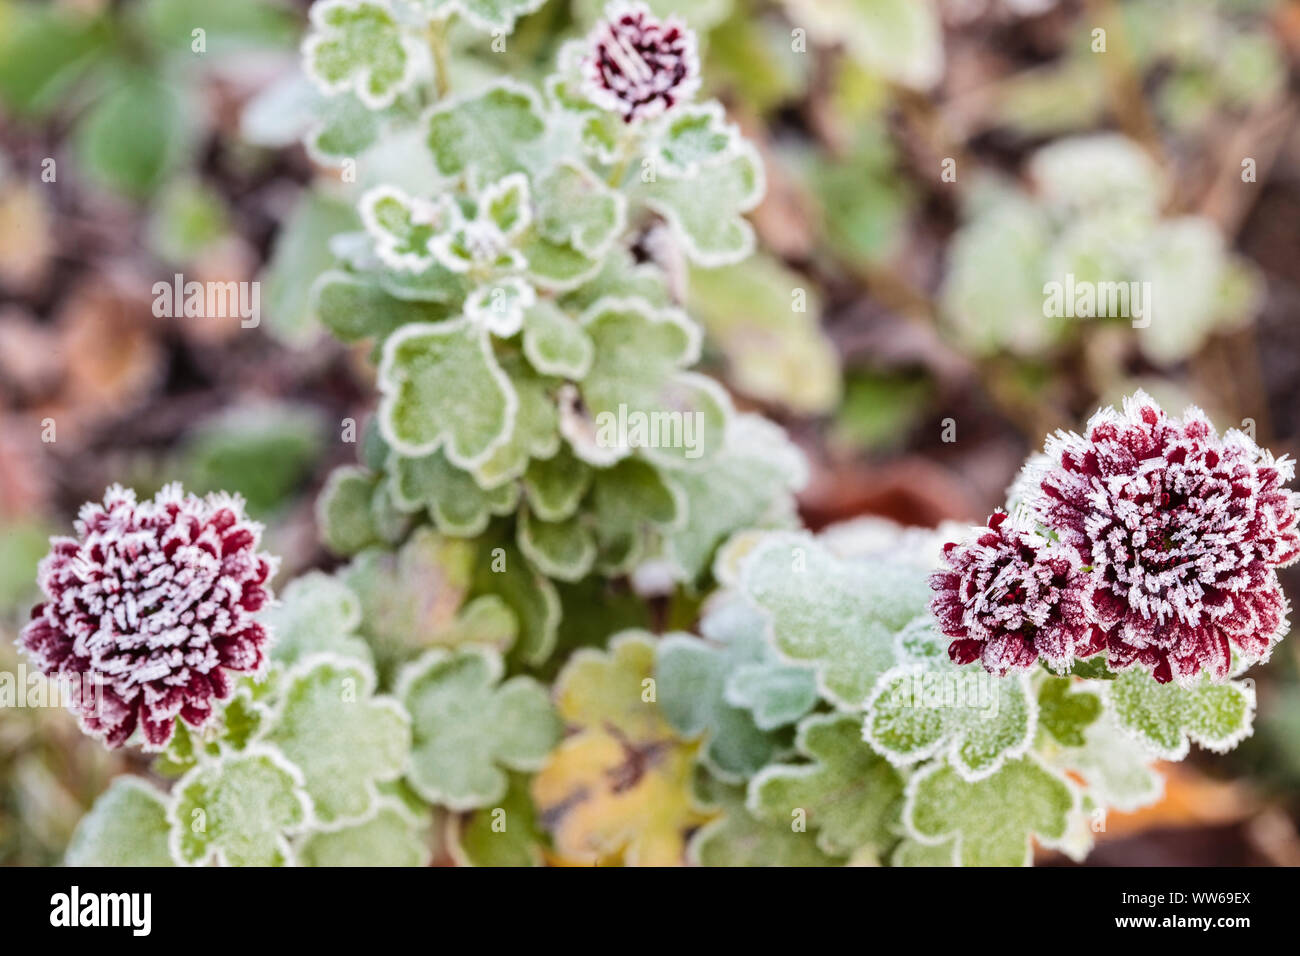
(453,499)
(402,226)
(639,351)
(342,738)
(620,277)
(738,838)
(564,550)
(851,795)
(1167,718)
(486,136)
(536,431)
(134,136)
(1066,710)
(504,572)
(499,305)
(44,50)
(358,46)
(629,503)
(239,810)
(748,484)
(127,826)
(990,821)
(316,613)
(346,129)
(387,838)
(706,210)
(691,676)
(356,308)
(575,208)
(467,728)
(554,486)
(839,616)
(505,835)
(442,388)
(554,343)
(343,510)
(776,694)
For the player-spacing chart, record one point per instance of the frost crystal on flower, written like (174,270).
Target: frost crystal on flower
(1183,530)
(638,65)
(1010,597)
(149,607)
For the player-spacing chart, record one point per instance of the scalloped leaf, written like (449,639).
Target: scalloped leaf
(749,484)
(354,308)
(706,210)
(467,727)
(316,613)
(636,396)
(564,550)
(239,810)
(738,838)
(502,570)
(505,835)
(358,45)
(775,693)
(536,431)
(989,822)
(629,504)
(343,514)
(387,838)
(343,739)
(554,343)
(1167,718)
(838,616)
(575,208)
(442,388)
(127,826)
(555,486)
(457,504)
(486,136)
(976,720)
(403,226)
(499,305)
(850,794)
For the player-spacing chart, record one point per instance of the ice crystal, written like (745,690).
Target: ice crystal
(149,608)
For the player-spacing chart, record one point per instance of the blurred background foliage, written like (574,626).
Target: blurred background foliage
(893,321)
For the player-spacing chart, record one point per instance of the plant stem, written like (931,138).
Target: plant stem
(438,31)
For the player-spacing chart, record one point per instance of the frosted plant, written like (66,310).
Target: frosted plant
(152,607)
(541,448)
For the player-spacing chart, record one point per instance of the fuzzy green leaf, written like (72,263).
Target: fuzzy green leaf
(387,838)
(837,615)
(442,388)
(504,835)
(467,728)
(239,810)
(486,136)
(342,738)
(989,821)
(454,500)
(554,343)
(850,794)
(127,826)
(358,45)
(738,838)
(1167,718)
(575,208)
(316,613)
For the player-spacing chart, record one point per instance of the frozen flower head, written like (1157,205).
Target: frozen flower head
(638,65)
(1183,531)
(153,605)
(1011,597)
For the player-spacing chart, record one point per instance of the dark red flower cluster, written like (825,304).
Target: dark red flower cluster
(638,65)
(1177,535)
(149,608)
